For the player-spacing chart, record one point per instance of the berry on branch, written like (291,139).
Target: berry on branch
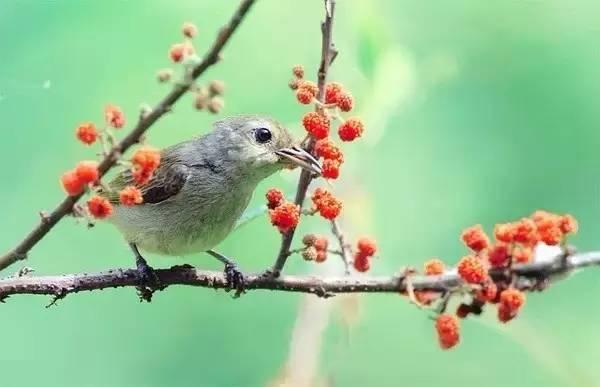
(475,238)
(351,129)
(99,207)
(130,196)
(274,198)
(434,267)
(71,183)
(87,133)
(114,116)
(472,270)
(316,124)
(448,330)
(87,171)
(285,217)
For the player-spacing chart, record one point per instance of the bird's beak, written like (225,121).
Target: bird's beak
(301,158)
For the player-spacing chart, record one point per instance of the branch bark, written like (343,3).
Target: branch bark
(526,277)
(48,221)
(328,53)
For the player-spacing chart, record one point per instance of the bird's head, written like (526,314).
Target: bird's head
(261,146)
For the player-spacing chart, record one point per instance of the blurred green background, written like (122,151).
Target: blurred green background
(476,112)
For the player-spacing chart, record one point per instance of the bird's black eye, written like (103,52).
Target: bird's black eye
(262,135)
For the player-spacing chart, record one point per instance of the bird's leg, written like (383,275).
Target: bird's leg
(234,277)
(146,274)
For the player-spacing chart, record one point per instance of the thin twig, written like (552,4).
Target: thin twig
(20,251)
(345,250)
(327,55)
(60,286)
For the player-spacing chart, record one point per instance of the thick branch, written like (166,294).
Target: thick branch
(527,277)
(327,55)
(48,221)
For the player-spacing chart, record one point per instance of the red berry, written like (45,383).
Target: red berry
(71,183)
(522,254)
(141,176)
(99,207)
(488,292)
(475,238)
(87,133)
(321,243)
(472,270)
(351,129)
(114,116)
(361,262)
(525,232)
(130,196)
(310,86)
(366,246)
(274,198)
(146,158)
(332,92)
(448,330)
(513,299)
(304,96)
(316,124)
(326,149)
(330,169)
(504,232)
(321,256)
(345,102)
(434,267)
(498,255)
(87,171)
(285,217)
(568,224)
(328,206)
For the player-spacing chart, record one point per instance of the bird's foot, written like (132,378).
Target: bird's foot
(148,281)
(235,279)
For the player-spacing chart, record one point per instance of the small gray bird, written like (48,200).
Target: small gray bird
(201,189)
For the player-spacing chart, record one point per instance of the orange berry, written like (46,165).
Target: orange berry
(475,238)
(498,255)
(177,52)
(321,256)
(304,96)
(448,330)
(321,243)
(345,102)
(310,86)
(141,176)
(512,299)
(426,297)
(274,198)
(568,224)
(285,217)
(298,71)
(146,158)
(316,124)
(351,129)
(361,262)
(472,270)
(87,133)
(434,267)
(99,207)
(330,169)
(366,246)
(525,232)
(326,149)
(548,227)
(87,171)
(71,183)
(488,292)
(504,232)
(522,254)
(328,206)
(505,314)
(114,116)
(332,92)
(130,196)
(189,29)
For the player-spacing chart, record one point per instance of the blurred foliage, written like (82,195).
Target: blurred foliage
(477,112)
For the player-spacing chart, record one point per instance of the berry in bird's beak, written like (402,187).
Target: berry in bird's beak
(300,157)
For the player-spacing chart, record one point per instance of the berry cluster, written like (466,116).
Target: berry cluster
(315,248)
(513,244)
(285,216)
(205,97)
(317,123)
(86,174)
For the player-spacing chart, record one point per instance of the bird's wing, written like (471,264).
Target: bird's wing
(167,181)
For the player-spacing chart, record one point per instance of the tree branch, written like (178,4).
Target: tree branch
(328,53)
(527,277)
(48,221)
